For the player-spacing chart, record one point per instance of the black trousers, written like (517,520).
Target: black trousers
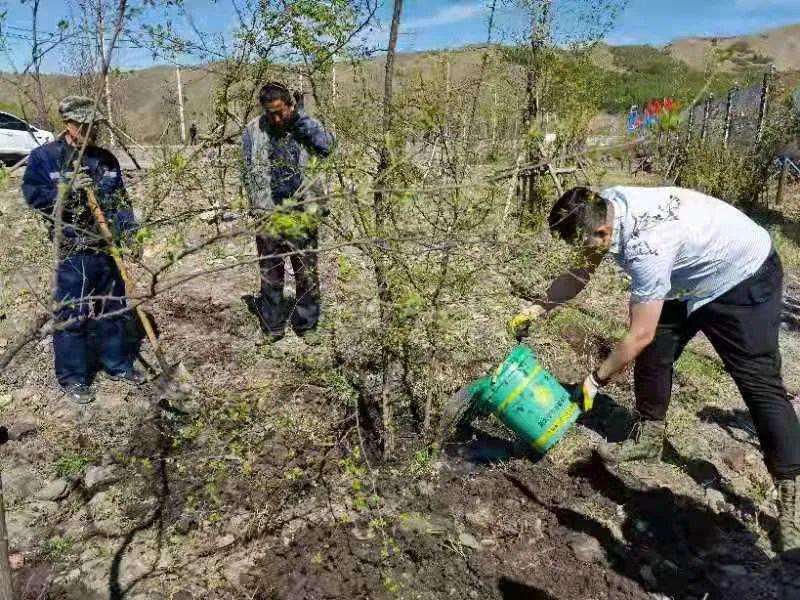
(306,310)
(743,326)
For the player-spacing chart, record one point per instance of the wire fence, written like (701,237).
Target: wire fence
(738,118)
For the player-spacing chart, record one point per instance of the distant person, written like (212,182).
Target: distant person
(193,133)
(276,146)
(696,264)
(89,285)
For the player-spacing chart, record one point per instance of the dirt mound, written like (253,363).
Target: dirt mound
(487,536)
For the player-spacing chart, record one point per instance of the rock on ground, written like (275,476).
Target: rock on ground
(55,490)
(97,478)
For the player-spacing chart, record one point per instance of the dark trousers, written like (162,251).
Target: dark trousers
(305,312)
(743,326)
(89,286)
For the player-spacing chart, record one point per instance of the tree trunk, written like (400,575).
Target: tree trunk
(6,590)
(36,63)
(381,220)
(540,25)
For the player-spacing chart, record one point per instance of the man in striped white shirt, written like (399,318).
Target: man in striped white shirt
(696,264)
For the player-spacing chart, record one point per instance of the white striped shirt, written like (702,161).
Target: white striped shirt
(679,244)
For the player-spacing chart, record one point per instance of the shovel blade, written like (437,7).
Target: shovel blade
(175,389)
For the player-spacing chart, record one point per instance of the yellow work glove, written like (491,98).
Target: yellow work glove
(587,393)
(519,326)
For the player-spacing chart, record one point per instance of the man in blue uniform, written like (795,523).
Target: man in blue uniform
(276,147)
(90,294)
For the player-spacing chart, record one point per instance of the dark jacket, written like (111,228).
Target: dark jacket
(288,150)
(51,164)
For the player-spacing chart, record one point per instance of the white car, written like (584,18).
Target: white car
(18,138)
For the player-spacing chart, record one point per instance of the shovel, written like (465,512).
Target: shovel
(173,383)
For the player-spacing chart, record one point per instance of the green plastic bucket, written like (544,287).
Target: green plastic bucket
(527,399)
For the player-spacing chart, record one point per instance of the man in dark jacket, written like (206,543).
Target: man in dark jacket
(276,147)
(90,293)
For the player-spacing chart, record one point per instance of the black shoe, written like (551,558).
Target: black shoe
(132,375)
(79,394)
(270,338)
(311,336)
(253,304)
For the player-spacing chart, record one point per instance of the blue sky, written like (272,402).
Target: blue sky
(451,23)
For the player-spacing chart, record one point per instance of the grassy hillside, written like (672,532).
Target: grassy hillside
(614,77)
(780,46)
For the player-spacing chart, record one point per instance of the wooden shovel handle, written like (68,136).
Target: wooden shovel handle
(105,232)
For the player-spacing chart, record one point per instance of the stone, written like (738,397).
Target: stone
(469,541)
(646,572)
(19,431)
(715,499)
(21,481)
(182,595)
(53,491)
(363,535)
(482,517)
(97,478)
(241,573)
(75,526)
(46,508)
(22,534)
(587,549)
(734,570)
(225,541)
(5,400)
(99,500)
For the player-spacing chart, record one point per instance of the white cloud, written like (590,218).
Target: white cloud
(447,15)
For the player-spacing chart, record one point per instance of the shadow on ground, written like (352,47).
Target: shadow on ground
(737,423)
(475,446)
(673,544)
(155,439)
(512,590)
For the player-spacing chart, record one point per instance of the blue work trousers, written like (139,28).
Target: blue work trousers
(89,287)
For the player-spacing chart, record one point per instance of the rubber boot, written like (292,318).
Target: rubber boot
(645,443)
(789,514)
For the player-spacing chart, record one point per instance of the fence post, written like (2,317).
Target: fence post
(706,117)
(782,179)
(764,106)
(690,124)
(729,115)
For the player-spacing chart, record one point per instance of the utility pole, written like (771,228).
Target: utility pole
(182,121)
(102,48)
(334,88)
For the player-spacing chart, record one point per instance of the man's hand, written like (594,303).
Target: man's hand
(585,395)
(82,181)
